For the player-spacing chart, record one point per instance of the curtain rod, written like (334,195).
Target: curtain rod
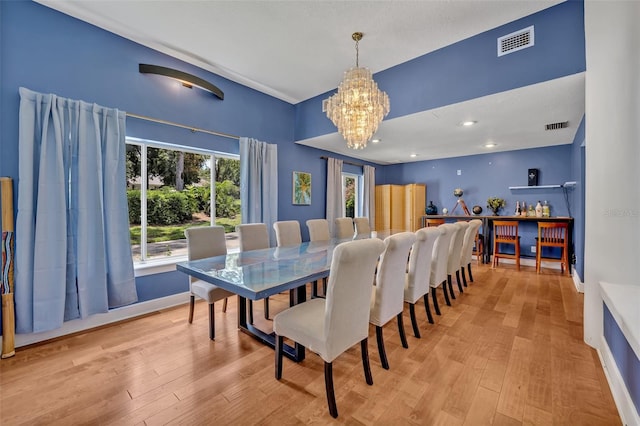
(171,123)
(324,157)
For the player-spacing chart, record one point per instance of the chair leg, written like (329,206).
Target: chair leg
(464,277)
(324,286)
(414,322)
(446,294)
(435,300)
(314,291)
(469,270)
(403,336)
(212,322)
(266,308)
(453,295)
(364,349)
(426,307)
(224,305)
(328,384)
(458,281)
(279,344)
(192,302)
(383,355)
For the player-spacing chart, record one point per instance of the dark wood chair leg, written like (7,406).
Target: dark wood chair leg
(266,308)
(458,281)
(364,349)
(403,336)
(314,289)
(449,281)
(293,300)
(464,277)
(224,305)
(212,322)
(446,293)
(469,270)
(328,384)
(434,296)
(414,322)
(279,345)
(324,286)
(426,308)
(383,355)
(192,302)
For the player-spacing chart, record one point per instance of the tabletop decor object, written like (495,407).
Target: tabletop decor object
(476,209)
(495,204)
(431,209)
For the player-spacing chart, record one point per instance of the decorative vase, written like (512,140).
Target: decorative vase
(431,209)
(496,211)
(476,209)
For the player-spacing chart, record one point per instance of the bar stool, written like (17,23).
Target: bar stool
(506,232)
(553,234)
(433,222)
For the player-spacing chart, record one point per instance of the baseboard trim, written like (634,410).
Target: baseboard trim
(98,320)
(576,281)
(621,396)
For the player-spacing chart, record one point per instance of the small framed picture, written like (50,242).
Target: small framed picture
(302,188)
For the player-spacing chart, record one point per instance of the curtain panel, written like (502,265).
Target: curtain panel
(73,254)
(259,183)
(369,194)
(334,192)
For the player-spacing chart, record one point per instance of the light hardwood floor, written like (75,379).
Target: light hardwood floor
(508,352)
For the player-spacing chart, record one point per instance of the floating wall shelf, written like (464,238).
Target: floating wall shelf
(564,185)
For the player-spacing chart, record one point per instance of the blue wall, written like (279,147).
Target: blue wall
(626,359)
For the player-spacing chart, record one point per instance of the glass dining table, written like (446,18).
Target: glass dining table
(258,274)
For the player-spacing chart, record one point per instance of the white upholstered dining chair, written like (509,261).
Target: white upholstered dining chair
(362,225)
(417,278)
(202,242)
(455,254)
(387,299)
(467,248)
(330,326)
(254,236)
(287,232)
(439,264)
(318,230)
(344,227)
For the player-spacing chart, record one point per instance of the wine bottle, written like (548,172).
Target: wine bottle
(538,209)
(546,211)
(517,212)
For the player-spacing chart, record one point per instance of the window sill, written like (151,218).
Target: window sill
(159,266)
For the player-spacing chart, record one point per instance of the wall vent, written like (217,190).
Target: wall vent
(516,41)
(556,126)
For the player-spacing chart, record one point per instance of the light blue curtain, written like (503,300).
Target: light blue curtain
(369,194)
(334,192)
(73,255)
(259,183)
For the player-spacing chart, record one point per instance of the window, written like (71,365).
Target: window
(350,195)
(169,189)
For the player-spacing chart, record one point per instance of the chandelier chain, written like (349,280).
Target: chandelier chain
(357,54)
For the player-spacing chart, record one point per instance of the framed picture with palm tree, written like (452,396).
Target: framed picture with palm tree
(301,188)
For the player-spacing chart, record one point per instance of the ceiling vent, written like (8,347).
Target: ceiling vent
(556,126)
(516,41)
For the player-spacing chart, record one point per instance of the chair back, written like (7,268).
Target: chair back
(362,225)
(287,232)
(420,264)
(205,241)
(552,234)
(253,236)
(344,227)
(390,278)
(318,230)
(441,255)
(505,231)
(469,241)
(348,297)
(455,248)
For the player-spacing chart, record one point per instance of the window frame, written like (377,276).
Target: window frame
(357,210)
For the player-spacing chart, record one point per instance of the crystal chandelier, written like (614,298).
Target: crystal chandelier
(359,106)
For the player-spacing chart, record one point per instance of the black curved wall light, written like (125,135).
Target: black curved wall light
(187,80)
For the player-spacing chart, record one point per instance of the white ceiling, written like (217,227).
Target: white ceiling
(295,50)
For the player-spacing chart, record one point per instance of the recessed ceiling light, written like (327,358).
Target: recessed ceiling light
(468,123)
(375,140)
(489,145)
(413,155)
